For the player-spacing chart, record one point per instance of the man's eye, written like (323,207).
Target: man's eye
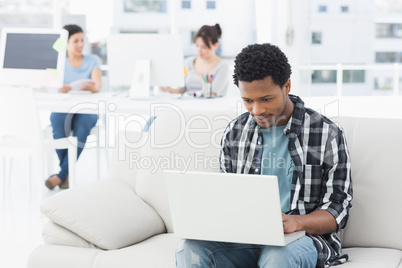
(267,99)
(248,101)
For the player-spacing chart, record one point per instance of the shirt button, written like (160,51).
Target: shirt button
(256,169)
(259,143)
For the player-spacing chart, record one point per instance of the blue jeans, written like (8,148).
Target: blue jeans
(63,124)
(196,253)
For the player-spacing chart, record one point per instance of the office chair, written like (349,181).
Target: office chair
(21,134)
(48,133)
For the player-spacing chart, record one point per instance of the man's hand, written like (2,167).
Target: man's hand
(316,223)
(290,223)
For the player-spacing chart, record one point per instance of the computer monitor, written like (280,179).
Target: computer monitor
(140,61)
(33,57)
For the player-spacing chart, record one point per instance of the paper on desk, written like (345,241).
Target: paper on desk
(77,84)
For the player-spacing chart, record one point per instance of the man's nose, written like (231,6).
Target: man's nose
(258,108)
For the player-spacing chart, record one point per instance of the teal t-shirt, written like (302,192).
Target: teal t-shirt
(276,160)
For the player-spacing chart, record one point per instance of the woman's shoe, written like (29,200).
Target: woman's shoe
(48,184)
(64,185)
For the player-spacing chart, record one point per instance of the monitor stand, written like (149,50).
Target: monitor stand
(140,85)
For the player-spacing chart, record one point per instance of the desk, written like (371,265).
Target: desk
(77,103)
(109,103)
(118,112)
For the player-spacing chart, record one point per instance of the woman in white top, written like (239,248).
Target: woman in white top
(206,63)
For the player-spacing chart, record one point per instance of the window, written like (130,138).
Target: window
(353,76)
(139,6)
(322,8)
(186,4)
(383,30)
(388,30)
(211,5)
(323,76)
(344,9)
(383,83)
(316,38)
(386,57)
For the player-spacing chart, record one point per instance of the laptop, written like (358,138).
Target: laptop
(227,207)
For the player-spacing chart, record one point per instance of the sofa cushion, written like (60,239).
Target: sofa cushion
(155,252)
(375,218)
(372,258)
(51,256)
(107,213)
(125,151)
(54,234)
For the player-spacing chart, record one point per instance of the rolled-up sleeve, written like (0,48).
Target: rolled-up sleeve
(338,190)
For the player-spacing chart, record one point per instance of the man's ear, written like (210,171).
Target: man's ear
(287,86)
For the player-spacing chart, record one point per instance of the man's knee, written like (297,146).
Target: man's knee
(275,255)
(190,253)
(287,256)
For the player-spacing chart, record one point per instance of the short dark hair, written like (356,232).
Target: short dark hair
(72,29)
(258,61)
(209,34)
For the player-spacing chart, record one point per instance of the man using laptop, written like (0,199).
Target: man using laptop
(305,150)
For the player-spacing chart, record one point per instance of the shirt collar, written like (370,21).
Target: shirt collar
(295,122)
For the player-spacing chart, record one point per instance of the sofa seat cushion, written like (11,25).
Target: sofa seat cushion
(107,214)
(372,258)
(155,252)
(51,256)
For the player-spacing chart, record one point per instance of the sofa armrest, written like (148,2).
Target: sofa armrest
(107,214)
(54,234)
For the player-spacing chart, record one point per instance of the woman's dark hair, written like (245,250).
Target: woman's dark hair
(72,29)
(209,34)
(258,61)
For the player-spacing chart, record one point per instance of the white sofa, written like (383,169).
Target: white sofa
(125,221)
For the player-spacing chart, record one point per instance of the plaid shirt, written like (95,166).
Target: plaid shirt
(321,176)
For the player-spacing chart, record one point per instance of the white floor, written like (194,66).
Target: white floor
(20,219)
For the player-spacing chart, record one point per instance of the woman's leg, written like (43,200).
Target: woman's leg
(61,124)
(82,125)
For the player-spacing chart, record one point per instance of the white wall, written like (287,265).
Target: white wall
(237,22)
